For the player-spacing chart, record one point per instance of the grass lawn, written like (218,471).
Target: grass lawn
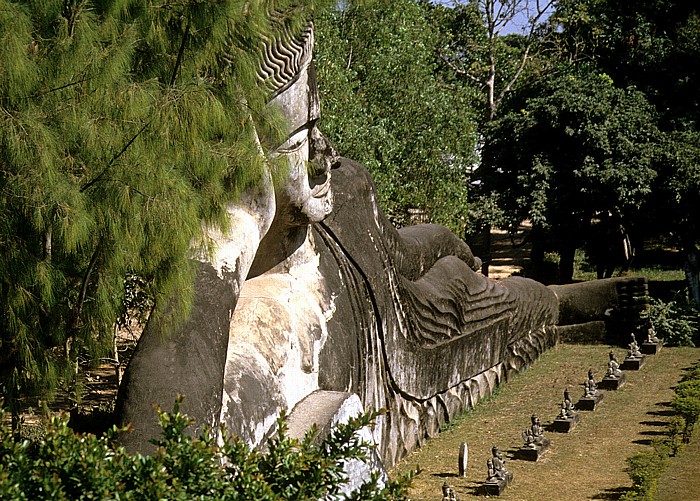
(588,462)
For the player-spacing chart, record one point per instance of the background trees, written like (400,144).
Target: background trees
(577,146)
(642,48)
(386,105)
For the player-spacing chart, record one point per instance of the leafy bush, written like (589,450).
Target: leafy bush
(64,465)
(676,321)
(645,467)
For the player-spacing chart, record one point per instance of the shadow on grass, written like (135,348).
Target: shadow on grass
(512,454)
(654,423)
(644,441)
(658,433)
(477,490)
(614,493)
(445,475)
(662,413)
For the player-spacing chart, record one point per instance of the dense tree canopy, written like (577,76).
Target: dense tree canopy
(386,105)
(576,147)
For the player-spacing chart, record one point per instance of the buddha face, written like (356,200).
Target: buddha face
(305,196)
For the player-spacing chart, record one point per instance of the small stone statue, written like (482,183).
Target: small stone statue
(498,462)
(590,388)
(534,442)
(448,493)
(613,367)
(528,439)
(567,405)
(591,396)
(651,335)
(567,417)
(534,435)
(492,474)
(497,477)
(536,428)
(633,349)
(652,344)
(614,376)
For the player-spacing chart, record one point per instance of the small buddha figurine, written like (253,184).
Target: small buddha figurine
(567,406)
(651,334)
(613,367)
(590,388)
(633,349)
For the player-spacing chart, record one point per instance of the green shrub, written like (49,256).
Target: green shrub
(676,321)
(676,434)
(644,469)
(64,465)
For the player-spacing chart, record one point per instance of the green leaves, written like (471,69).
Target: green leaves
(578,146)
(124,128)
(386,105)
(63,465)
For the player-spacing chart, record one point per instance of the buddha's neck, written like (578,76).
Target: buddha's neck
(282,249)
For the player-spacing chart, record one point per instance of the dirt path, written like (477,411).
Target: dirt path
(589,462)
(509,253)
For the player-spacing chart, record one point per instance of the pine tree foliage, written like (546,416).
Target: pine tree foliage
(125,127)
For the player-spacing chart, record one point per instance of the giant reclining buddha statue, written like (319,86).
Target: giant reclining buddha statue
(315,297)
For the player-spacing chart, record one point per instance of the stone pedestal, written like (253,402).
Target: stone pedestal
(561,425)
(651,348)
(611,383)
(632,364)
(589,403)
(496,488)
(532,453)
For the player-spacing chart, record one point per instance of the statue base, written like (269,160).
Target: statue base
(496,488)
(632,364)
(611,383)
(589,403)
(532,453)
(651,348)
(561,425)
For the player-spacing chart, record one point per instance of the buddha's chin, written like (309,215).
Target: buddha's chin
(319,206)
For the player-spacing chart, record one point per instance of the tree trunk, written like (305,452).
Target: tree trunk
(567,252)
(692,271)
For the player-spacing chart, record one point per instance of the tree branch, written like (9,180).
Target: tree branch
(180,53)
(83,287)
(114,159)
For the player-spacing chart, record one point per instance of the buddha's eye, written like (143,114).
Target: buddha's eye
(295,142)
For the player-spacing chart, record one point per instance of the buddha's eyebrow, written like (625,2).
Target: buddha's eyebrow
(308,125)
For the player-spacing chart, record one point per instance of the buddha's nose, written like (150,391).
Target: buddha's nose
(322,155)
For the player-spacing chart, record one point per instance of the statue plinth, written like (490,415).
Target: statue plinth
(533,453)
(651,348)
(589,403)
(612,383)
(565,425)
(632,363)
(496,487)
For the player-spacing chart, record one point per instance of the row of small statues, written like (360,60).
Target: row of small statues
(533,437)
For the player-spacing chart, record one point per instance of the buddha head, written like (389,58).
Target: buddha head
(287,71)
